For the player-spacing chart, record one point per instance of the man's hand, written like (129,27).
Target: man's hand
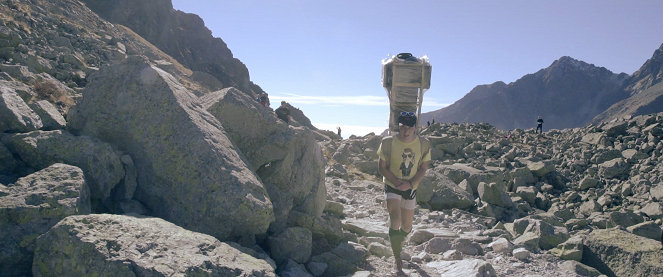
(404,185)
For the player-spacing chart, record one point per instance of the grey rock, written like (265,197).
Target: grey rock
(605,155)
(7,161)
(470,268)
(380,250)
(132,207)
(190,172)
(336,266)
(587,208)
(521,254)
(647,229)
(293,269)
(529,241)
(615,129)
(467,246)
(420,236)
(328,227)
(292,244)
(127,188)
(580,269)
(464,185)
(494,193)
(625,218)
(623,246)
(632,154)
(97,159)
(286,156)
(653,210)
(442,193)
(15,114)
(369,167)
(657,192)
(501,245)
(33,205)
(459,172)
(527,193)
(541,169)
(587,183)
(614,168)
(450,255)
(50,117)
(438,245)
(549,236)
(351,252)
(24,91)
(316,268)
(93,243)
(334,208)
(570,249)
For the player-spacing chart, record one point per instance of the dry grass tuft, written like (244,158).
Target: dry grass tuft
(48,90)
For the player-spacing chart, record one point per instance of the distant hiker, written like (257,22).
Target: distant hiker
(339,131)
(283,112)
(433,122)
(264,99)
(539,126)
(428,123)
(404,159)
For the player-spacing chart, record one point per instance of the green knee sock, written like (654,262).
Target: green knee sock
(396,239)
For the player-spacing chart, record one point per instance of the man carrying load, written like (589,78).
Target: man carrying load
(403,162)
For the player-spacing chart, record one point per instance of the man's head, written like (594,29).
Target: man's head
(406,124)
(407,119)
(283,104)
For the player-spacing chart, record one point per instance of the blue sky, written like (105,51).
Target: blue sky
(324,57)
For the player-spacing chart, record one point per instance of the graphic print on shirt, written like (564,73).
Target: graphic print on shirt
(408,162)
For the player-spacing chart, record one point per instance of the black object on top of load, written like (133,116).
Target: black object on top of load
(407,57)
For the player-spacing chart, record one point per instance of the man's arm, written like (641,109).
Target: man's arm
(421,171)
(383,167)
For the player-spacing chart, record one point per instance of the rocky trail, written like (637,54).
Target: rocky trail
(531,203)
(126,151)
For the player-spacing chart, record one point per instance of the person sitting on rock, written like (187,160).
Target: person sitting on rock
(402,173)
(283,112)
(264,99)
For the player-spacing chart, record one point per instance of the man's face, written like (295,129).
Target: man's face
(406,131)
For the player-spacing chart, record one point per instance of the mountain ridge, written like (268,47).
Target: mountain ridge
(569,93)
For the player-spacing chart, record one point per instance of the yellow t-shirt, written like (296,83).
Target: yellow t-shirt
(404,160)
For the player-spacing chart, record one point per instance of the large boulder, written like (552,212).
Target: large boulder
(441,193)
(459,172)
(33,205)
(615,252)
(97,159)
(190,173)
(286,156)
(615,168)
(494,193)
(15,115)
(116,245)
